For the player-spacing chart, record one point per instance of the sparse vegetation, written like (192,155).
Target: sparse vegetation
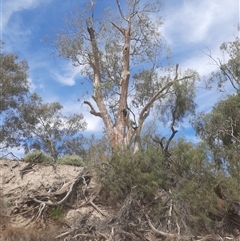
(38,157)
(72,160)
(144,188)
(56,212)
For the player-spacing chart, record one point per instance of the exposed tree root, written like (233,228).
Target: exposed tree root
(130,221)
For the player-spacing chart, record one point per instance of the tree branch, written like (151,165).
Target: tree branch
(173,132)
(121,29)
(223,68)
(97,96)
(167,86)
(226,74)
(92,111)
(120,10)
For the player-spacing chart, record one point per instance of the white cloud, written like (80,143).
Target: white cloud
(200,21)
(10,7)
(94,123)
(32,86)
(192,28)
(201,62)
(67,76)
(13,153)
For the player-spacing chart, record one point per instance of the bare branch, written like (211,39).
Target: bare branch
(173,132)
(228,76)
(93,111)
(120,10)
(223,68)
(121,29)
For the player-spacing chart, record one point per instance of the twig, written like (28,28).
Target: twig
(170,213)
(10,153)
(64,234)
(9,179)
(178,228)
(29,166)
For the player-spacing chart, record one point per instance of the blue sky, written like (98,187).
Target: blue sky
(190,28)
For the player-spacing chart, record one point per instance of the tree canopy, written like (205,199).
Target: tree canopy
(28,122)
(14,90)
(125,63)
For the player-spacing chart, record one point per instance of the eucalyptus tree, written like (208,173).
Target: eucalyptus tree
(122,54)
(220,128)
(46,128)
(14,88)
(229,70)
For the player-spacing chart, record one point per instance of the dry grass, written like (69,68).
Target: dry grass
(8,232)
(12,233)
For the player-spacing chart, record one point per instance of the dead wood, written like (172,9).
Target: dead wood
(128,220)
(164,234)
(67,189)
(29,166)
(97,208)
(233,212)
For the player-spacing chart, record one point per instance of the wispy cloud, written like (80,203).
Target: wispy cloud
(94,124)
(67,75)
(200,21)
(193,28)
(12,6)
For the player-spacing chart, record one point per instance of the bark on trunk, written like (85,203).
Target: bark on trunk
(121,132)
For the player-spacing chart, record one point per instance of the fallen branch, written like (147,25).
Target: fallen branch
(64,234)
(9,179)
(97,208)
(92,237)
(166,235)
(29,166)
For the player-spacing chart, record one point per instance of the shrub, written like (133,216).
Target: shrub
(141,174)
(43,158)
(73,160)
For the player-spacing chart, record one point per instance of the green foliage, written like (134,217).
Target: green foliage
(14,91)
(194,178)
(187,179)
(43,158)
(220,130)
(13,81)
(49,130)
(98,151)
(116,90)
(72,160)
(228,70)
(141,174)
(56,212)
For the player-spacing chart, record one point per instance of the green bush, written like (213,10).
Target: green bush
(141,174)
(73,160)
(43,158)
